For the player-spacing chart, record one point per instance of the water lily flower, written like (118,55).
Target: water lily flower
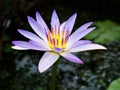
(57,41)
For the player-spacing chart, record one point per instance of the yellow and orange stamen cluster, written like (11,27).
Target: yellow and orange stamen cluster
(57,39)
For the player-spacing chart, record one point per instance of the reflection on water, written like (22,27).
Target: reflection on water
(24,62)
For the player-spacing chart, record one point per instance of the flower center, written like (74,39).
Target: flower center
(57,39)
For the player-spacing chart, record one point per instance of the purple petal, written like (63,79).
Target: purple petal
(62,28)
(58,49)
(80,29)
(86,47)
(47,60)
(33,37)
(28,45)
(83,27)
(85,32)
(55,20)
(70,23)
(40,44)
(30,35)
(71,57)
(81,42)
(78,36)
(41,21)
(37,28)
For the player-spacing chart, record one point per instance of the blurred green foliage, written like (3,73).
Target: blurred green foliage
(105,32)
(115,85)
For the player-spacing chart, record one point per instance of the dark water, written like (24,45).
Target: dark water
(18,71)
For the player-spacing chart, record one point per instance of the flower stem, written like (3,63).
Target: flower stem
(54,72)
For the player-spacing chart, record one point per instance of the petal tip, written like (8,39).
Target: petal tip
(13,42)
(41,71)
(81,62)
(54,11)
(104,48)
(37,12)
(18,48)
(74,15)
(13,47)
(29,18)
(101,47)
(91,22)
(93,28)
(19,30)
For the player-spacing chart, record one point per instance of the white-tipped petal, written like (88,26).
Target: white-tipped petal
(81,42)
(19,48)
(47,60)
(86,47)
(29,45)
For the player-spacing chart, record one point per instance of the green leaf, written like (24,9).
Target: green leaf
(115,85)
(105,32)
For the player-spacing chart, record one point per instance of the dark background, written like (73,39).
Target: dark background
(18,69)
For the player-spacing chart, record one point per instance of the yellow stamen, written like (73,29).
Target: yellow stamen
(57,39)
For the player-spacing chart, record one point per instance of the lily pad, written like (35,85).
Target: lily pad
(115,85)
(106,31)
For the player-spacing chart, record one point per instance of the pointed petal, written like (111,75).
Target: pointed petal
(70,23)
(41,21)
(28,45)
(19,48)
(33,37)
(30,35)
(40,44)
(71,57)
(55,20)
(85,32)
(47,60)
(72,40)
(80,29)
(86,47)
(62,28)
(84,26)
(81,42)
(37,28)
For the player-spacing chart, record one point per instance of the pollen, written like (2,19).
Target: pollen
(57,38)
